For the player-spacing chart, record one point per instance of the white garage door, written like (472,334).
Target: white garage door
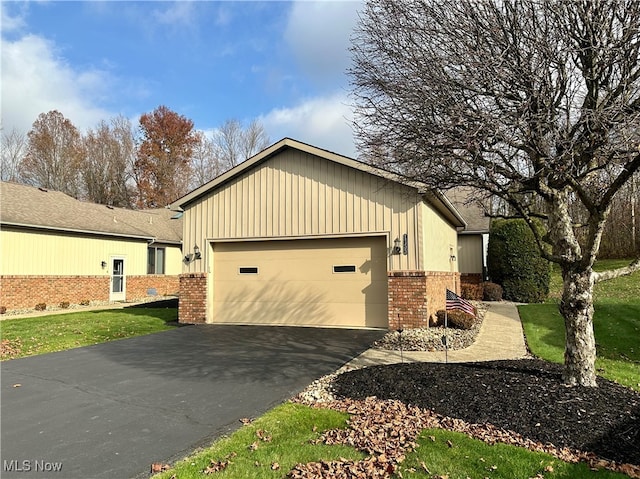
(319,282)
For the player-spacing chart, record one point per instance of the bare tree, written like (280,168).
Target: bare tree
(235,144)
(107,163)
(534,101)
(54,154)
(14,147)
(205,165)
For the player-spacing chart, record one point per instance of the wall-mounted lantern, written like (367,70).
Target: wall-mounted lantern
(103,264)
(188,258)
(396,246)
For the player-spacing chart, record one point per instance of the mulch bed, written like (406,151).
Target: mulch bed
(524,396)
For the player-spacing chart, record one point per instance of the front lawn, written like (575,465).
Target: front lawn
(287,436)
(616,326)
(45,334)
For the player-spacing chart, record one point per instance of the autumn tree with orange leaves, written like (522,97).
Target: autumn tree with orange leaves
(163,162)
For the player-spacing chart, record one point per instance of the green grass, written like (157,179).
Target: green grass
(290,428)
(616,326)
(46,334)
(464,457)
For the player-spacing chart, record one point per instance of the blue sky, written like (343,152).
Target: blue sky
(282,63)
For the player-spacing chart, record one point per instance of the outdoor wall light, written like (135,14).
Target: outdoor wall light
(188,258)
(196,252)
(396,246)
(103,264)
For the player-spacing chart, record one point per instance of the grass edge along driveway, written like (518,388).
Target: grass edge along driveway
(22,337)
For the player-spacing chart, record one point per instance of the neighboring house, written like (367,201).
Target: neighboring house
(298,235)
(55,249)
(474,239)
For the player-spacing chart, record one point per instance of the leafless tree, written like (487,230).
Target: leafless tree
(107,163)
(54,154)
(234,144)
(534,101)
(14,147)
(205,165)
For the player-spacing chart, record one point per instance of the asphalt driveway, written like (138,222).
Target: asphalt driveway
(110,410)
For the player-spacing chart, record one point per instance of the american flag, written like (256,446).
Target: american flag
(456,302)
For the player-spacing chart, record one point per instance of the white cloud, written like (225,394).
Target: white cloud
(177,13)
(319,35)
(35,80)
(11,23)
(324,122)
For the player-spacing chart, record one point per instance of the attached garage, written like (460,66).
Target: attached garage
(316,282)
(297,235)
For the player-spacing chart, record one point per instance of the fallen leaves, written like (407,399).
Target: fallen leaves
(157,467)
(10,348)
(386,430)
(219,465)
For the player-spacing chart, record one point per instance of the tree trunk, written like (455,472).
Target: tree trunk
(577,309)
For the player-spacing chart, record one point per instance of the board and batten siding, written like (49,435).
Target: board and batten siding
(31,252)
(295,194)
(470,254)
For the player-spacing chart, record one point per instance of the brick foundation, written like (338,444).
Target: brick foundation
(193,298)
(416,296)
(24,292)
(143,286)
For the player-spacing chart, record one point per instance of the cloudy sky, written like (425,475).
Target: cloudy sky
(282,63)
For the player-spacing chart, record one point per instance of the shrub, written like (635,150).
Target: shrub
(64,305)
(3,309)
(515,262)
(84,302)
(41,306)
(491,292)
(472,292)
(456,319)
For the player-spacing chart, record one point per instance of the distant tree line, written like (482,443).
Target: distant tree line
(119,165)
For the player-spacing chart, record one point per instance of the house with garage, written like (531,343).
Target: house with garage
(298,235)
(55,249)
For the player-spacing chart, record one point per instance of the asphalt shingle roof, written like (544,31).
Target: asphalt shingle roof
(28,206)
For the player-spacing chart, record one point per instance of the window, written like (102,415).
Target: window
(344,268)
(155,260)
(248,270)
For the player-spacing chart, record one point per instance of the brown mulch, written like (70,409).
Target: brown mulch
(525,397)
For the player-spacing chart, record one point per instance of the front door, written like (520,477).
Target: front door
(118,280)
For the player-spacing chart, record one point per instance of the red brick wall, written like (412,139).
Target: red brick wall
(437,284)
(416,296)
(165,285)
(407,299)
(192,307)
(24,292)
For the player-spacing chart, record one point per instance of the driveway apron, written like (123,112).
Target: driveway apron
(110,410)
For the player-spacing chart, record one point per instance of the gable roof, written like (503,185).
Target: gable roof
(30,207)
(434,197)
(468,201)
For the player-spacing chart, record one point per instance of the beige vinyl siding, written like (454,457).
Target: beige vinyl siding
(296,194)
(31,252)
(440,241)
(470,253)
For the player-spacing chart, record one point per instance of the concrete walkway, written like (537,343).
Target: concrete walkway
(500,337)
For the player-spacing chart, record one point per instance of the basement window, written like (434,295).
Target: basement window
(344,268)
(248,270)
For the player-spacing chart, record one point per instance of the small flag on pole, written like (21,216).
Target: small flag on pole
(456,302)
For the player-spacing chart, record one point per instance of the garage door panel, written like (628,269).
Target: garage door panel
(296,282)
